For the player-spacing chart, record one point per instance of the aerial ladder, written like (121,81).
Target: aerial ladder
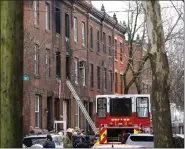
(83,109)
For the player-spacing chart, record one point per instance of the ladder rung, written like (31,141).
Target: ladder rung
(91,123)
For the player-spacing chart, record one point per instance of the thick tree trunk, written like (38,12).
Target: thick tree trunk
(161,116)
(11,57)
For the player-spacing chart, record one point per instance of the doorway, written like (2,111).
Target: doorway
(49,114)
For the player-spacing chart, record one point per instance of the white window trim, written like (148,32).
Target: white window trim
(47,63)
(76,70)
(75,29)
(36,61)
(77,119)
(83,33)
(36,12)
(47,16)
(84,76)
(37,98)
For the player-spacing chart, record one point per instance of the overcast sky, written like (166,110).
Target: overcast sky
(115,6)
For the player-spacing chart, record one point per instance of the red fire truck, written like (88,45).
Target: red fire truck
(123,113)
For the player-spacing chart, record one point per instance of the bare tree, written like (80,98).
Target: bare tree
(161,117)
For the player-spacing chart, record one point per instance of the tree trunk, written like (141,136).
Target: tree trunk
(161,116)
(11,73)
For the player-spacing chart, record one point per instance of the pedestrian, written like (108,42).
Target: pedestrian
(67,143)
(49,143)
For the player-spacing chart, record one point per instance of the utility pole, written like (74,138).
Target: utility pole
(11,76)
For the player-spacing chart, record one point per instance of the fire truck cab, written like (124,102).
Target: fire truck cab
(120,114)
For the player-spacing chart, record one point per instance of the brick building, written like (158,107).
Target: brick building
(66,39)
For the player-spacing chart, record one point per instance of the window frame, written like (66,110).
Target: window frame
(75,28)
(36,12)
(91,36)
(142,108)
(116,82)
(105,78)
(76,69)
(98,77)
(47,16)
(92,75)
(84,75)
(47,63)
(111,79)
(83,33)
(102,108)
(36,59)
(37,97)
(58,65)
(57,21)
(121,85)
(98,40)
(104,42)
(116,52)
(110,44)
(67,27)
(121,51)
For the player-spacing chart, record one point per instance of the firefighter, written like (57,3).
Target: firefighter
(141,128)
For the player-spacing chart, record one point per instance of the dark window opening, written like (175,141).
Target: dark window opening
(91,37)
(67,67)
(110,45)
(121,52)
(92,75)
(98,40)
(58,65)
(105,78)
(120,107)
(121,86)
(101,107)
(57,20)
(67,25)
(116,82)
(111,79)
(98,77)
(142,109)
(115,48)
(104,42)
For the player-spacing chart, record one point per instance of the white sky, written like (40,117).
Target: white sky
(167,13)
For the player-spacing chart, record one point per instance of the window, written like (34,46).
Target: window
(98,40)
(77,118)
(92,75)
(115,48)
(57,19)
(58,65)
(37,111)
(36,60)
(84,75)
(121,80)
(116,82)
(104,43)
(36,12)
(98,77)
(75,29)
(66,25)
(111,80)
(76,70)
(83,33)
(121,106)
(142,107)
(110,45)
(102,107)
(105,78)
(47,16)
(121,51)
(91,37)
(47,64)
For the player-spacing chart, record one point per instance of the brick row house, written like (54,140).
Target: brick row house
(66,40)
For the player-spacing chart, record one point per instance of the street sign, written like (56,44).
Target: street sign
(25,78)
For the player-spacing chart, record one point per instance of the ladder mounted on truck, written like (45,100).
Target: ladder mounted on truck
(80,104)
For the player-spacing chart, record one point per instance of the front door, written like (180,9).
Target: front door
(49,111)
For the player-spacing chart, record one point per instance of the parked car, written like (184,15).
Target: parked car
(147,140)
(37,141)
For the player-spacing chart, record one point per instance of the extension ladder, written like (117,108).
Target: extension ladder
(80,104)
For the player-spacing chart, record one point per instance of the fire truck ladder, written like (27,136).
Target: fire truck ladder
(80,104)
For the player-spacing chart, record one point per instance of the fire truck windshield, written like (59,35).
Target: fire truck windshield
(120,107)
